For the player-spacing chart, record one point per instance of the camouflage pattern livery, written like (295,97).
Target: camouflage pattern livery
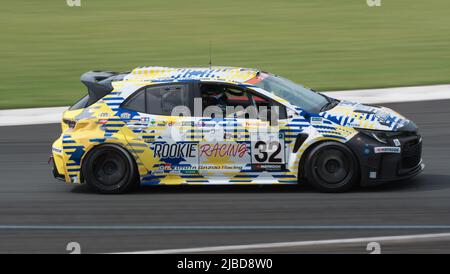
(196,158)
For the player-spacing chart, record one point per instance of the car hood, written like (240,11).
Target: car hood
(358,115)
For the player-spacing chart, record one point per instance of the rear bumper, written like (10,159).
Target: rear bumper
(382,163)
(55,172)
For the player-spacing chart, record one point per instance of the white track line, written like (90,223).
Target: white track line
(31,116)
(35,116)
(221,228)
(394,95)
(382,239)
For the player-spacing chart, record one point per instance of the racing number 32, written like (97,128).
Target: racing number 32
(268,152)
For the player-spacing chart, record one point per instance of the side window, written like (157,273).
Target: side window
(269,105)
(229,100)
(159,100)
(162,100)
(136,103)
(237,97)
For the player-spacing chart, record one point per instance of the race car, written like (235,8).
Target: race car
(228,126)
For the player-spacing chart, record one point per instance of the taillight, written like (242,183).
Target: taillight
(70,123)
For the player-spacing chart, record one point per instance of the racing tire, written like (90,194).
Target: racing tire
(110,169)
(331,167)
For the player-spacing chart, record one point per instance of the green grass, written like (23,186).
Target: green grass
(329,45)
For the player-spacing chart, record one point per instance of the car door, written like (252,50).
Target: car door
(268,146)
(275,149)
(251,144)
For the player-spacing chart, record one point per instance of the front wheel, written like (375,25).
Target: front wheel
(110,169)
(331,167)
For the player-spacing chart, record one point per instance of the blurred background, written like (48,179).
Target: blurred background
(327,45)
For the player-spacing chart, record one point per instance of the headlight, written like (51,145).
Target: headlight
(380,136)
(385,137)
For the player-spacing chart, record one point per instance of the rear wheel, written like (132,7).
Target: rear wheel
(110,169)
(331,167)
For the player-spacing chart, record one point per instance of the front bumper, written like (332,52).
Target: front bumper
(380,163)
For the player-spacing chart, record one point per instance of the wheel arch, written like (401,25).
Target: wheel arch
(311,146)
(98,146)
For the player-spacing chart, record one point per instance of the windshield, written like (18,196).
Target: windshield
(295,94)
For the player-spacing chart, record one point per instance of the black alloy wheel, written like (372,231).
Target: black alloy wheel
(331,167)
(110,169)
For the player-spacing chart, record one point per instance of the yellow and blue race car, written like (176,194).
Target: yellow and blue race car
(226,125)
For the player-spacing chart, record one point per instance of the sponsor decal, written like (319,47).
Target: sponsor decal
(316,120)
(166,166)
(187,124)
(161,123)
(169,168)
(268,167)
(220,167)
(397,142)
(145,120)
(103,115)
(125,115)
(103,121)
(353,124)
(223,150)
(387,150)
(190,171)
(257,123)
(177,150)
(229,136)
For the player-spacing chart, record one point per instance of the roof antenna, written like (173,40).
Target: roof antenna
(210,57)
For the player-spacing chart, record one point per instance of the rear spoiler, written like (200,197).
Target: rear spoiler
(99,83)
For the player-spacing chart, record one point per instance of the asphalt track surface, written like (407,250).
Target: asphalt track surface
(41,215)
